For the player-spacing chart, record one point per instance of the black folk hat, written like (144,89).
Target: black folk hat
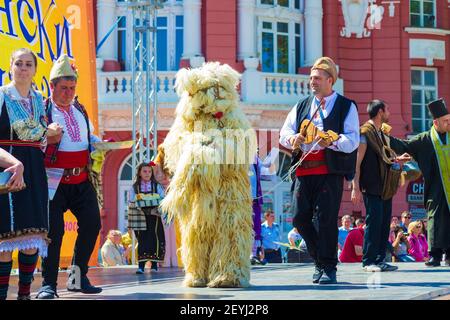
(437,108)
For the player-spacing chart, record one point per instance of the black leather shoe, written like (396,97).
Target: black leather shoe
(433,262)
(24,297)
(318,273)
(328,277)
(85,287)
(47,293)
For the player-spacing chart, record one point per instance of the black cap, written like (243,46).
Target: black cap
(437,108)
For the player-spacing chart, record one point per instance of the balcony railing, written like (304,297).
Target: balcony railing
(115,87)
(277,88)
(256,87)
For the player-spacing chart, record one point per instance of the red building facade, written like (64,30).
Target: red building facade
(391,50)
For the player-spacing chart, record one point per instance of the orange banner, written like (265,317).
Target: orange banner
(51,28)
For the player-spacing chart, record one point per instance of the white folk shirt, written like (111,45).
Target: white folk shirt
(348,141)
(67,144)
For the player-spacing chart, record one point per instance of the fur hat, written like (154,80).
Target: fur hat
(63,68)
(326,64)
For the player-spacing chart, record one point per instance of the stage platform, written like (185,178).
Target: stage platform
(269,282)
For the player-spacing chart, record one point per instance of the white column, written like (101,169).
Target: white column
(313,31)
(106,17)
(192,32)
(247,30)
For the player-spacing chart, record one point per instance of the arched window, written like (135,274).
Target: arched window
(125,182)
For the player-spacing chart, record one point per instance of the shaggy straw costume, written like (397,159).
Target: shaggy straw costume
(207,152)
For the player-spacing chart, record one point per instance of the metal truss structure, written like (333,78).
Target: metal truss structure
(144,82)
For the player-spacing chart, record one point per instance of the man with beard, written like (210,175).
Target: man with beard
(431,150)
(320,176)
(372,182)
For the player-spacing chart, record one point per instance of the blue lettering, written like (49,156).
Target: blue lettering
(7,10)
(2,73)
(65,34)
(28,37)
(418,188)
(43,33)
(45,87)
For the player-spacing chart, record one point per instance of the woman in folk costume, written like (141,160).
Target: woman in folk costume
(431,150)
(24,210)
(208,151)
(145,195)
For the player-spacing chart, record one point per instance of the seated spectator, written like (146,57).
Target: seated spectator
(425,227)
(394,220)
(406,219)
(112,251)
(344,230)
(394,223)
(389,248)
(298,253)
(360,223)
(270,233)
(417,241)
(401,246)
(296,240)
(353,246)
(127,240)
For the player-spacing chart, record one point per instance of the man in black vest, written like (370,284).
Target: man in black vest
(71,157)
(319,179)
(370,181)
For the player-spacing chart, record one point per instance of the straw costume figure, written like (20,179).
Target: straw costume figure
(207,152)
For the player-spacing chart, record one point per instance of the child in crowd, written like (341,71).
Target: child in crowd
(145,195)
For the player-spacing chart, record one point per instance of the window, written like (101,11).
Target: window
(162,44)
(423,91)
(122,41)
(282,3)
(169,39)
(169,35)
(423,13)
(280,46)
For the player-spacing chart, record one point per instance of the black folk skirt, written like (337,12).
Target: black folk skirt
(151,242)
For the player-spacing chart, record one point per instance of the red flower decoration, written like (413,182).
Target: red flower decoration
(218,115)
(74,67)
(152,164)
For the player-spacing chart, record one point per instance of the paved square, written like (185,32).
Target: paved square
(269,282)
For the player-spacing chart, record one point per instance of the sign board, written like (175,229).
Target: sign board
(415,191)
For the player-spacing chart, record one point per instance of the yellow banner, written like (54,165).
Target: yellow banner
(51,28)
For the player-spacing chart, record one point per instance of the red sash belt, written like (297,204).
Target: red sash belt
(315,164)
(74,162)
(20,143)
